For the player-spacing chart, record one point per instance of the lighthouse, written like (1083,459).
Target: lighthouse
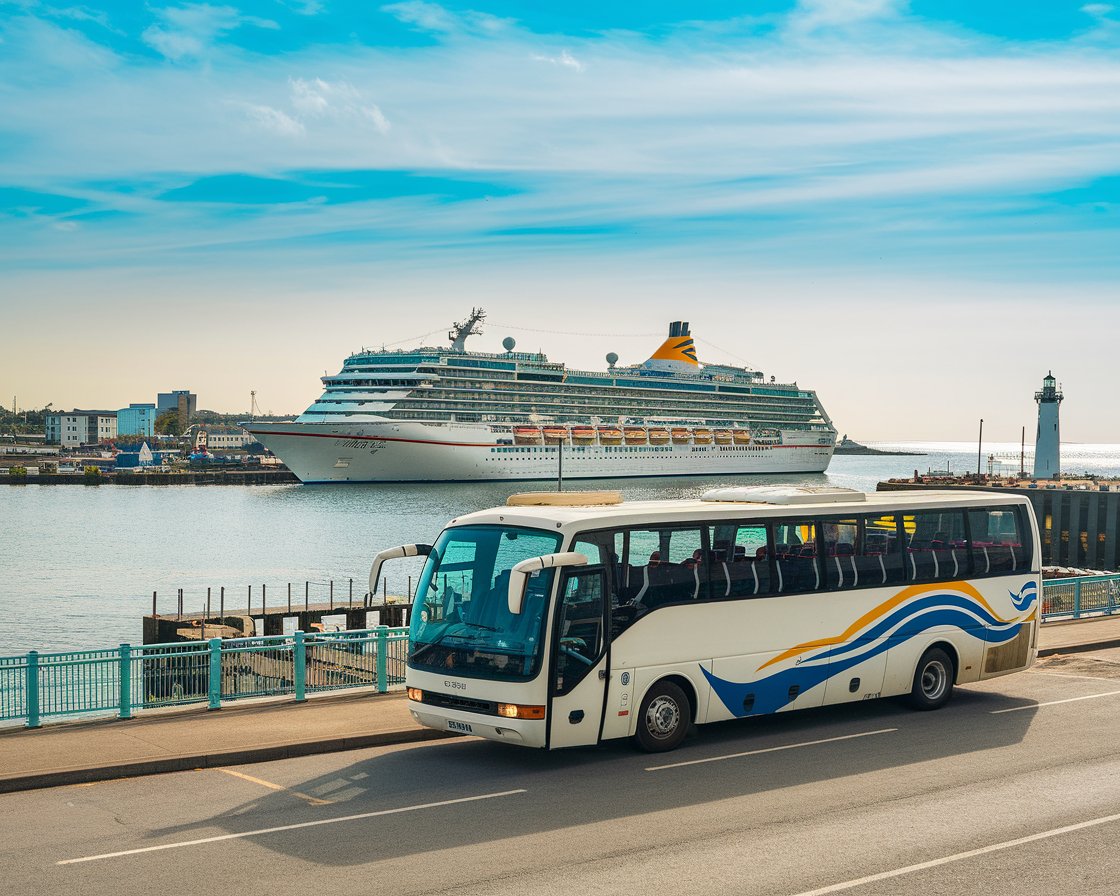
(1048,442)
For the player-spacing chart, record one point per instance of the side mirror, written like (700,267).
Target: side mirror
(519,575)
(405,550)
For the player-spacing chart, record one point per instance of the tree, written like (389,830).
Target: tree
(167,424)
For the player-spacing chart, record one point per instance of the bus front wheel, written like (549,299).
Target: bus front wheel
(664,718)
(933,680)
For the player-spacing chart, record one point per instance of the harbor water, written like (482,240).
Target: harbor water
(78,564)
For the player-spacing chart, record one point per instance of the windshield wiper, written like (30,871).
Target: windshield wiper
(489,628)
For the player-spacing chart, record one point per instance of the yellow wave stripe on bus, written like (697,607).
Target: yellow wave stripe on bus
(677,348)
(881,610)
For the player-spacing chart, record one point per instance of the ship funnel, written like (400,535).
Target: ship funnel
(677,353)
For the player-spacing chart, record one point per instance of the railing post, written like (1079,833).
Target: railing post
(32,689)
(1077,599)
(126,681)
(215,673)
(299,661)
(382,659)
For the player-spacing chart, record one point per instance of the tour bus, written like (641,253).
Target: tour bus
(567,619)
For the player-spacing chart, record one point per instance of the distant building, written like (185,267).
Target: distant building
(137,420)
(182,400)
(76,428)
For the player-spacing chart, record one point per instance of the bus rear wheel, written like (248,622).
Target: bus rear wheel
(664,718)
(933,680)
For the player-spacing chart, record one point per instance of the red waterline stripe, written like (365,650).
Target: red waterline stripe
(324,435)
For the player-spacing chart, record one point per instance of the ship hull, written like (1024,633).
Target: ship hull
(393,451)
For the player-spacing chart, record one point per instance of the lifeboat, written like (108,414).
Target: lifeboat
(583,435)
(658,435)
(635,435)
(527,435)
(702,436)
(723,436)
(681,436)
(741,436)
(554,434)
(610,435)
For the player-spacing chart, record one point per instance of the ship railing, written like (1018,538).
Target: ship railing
(126,679)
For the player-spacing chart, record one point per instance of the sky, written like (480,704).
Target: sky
(910,207)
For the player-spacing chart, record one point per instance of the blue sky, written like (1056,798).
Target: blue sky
(816,183)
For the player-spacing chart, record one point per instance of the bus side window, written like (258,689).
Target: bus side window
(880,561)
(796,564)
(997,545)
(673,571)
(740,565)
(841,546)
(937,550)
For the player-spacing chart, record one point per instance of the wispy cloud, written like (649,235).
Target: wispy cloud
(189,31)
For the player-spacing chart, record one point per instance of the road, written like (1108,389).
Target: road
(1013,788)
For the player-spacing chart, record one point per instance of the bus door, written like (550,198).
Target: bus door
(578,666)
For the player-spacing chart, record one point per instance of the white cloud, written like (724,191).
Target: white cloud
(189,31)
(565,59)
(273,120)
(1097,10)
(433,17)
(339,100)
(811,14)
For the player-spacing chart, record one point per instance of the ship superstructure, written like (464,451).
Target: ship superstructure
(449,414)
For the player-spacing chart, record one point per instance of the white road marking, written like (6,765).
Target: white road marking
(808,743)
(996,712)
(290,827)
(960,856)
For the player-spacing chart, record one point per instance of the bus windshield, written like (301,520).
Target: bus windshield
(461,621)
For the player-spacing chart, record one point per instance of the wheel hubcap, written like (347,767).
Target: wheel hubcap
(935,679)
(663,717)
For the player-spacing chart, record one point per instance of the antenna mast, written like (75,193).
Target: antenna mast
(253,409)
(470,327)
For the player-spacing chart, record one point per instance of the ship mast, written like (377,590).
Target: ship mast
(469,327)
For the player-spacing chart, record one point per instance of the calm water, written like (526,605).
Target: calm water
(78,565)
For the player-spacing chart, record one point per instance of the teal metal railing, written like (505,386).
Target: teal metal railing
(1080,596)
(213,672)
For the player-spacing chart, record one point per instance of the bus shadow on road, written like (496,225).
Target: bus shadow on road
(744,758)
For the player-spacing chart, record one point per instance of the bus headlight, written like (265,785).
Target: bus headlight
(416,695)
(515,711)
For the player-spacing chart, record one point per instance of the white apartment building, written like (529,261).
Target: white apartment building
(76,428)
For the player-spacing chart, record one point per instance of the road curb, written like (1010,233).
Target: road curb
(164,765)
(1081,648)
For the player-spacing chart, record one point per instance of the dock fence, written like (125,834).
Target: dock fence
(1080,596)
(130,678)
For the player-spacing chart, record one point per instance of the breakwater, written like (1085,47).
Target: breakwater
(184,477)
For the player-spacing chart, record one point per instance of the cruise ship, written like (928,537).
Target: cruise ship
(448,414)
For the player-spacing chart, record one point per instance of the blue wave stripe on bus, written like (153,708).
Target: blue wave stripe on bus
(977,617)
(771,692)
(1027,595)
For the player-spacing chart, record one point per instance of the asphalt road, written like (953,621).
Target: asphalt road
(1014,788)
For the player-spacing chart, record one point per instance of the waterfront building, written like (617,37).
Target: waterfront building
(1048,440)
(137,420)
(72,429)
(182,400)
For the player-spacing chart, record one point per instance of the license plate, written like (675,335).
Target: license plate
(459,726)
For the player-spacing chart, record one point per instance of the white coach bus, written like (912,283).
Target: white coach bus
(553,624)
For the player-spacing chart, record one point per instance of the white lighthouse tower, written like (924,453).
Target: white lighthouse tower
(1048,442)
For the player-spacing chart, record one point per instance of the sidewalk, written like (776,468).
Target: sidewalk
(96,750)
(77,752)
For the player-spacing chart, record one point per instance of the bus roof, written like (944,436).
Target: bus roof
(598,516)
